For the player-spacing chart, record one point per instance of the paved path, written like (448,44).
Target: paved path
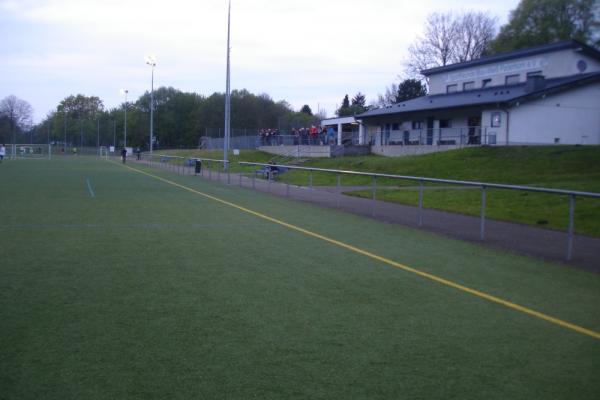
(542,243)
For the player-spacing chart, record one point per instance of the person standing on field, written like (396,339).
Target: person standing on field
(2,152)
(124,154)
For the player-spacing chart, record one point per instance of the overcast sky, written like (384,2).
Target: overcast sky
(302,51)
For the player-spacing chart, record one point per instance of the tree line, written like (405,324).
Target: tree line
(180,119)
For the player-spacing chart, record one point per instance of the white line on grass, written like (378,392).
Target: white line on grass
(89,186)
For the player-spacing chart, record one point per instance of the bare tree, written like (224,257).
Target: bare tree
(388,98)
(474,33)
(18,112)
(450,39)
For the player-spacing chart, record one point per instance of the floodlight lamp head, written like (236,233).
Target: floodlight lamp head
(151,60)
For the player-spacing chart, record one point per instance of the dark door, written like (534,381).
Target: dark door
(474,126)
(430,131)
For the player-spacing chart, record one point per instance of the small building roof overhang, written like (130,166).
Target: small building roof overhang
(499,96)
(339,120)
(511,55)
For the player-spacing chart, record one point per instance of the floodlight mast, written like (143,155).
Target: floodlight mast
(227,132)
(65,121)
(151,61)
(125,91)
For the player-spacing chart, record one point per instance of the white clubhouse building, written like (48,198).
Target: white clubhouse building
(543,95)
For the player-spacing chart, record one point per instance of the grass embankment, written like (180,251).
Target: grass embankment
(564,167)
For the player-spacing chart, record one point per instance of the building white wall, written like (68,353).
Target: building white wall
(401,151)
(573,117)
(298,151)
(552,65)
(498,131)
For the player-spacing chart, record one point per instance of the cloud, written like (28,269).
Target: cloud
(303,51)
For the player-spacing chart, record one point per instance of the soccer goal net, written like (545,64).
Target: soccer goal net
(31,151)
(103,152)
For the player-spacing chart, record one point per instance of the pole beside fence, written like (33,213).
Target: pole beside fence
(571,226)
(420,212)
(482,223)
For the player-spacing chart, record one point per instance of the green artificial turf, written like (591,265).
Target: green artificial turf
(114,284)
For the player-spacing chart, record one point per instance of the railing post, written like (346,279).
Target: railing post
(420,202)
(482,223)
(253,179)
(228,172)
(571,226)
(373,190)
(310,179)
(240,178)
(339,187)
(269,176)
(209,170)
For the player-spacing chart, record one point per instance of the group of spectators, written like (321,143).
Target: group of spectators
(269,137)
(315,135)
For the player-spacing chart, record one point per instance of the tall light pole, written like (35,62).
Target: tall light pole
(98,133)
(65,121)
(151,61)
(227,97)
(125,91)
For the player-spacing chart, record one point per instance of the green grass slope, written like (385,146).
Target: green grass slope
(562,167)
(573,167)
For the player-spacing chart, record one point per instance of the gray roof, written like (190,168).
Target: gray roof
(547,48)
(499,95)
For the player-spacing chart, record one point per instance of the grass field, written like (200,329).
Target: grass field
(121,284)
(562,167)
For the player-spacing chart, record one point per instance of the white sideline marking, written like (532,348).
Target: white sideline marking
(89,186)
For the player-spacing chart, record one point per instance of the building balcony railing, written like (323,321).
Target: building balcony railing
(468,135)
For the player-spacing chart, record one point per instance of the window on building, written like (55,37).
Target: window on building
(534,73)
(512,79)
(469,85)
(496,119)
(486,82)
(451,88)
(445,123)
(417,125)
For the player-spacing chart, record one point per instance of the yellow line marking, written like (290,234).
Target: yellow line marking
(483,295)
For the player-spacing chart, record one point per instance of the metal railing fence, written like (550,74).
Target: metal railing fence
(459,136)
(188,165)
(572,194)
(209,167)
